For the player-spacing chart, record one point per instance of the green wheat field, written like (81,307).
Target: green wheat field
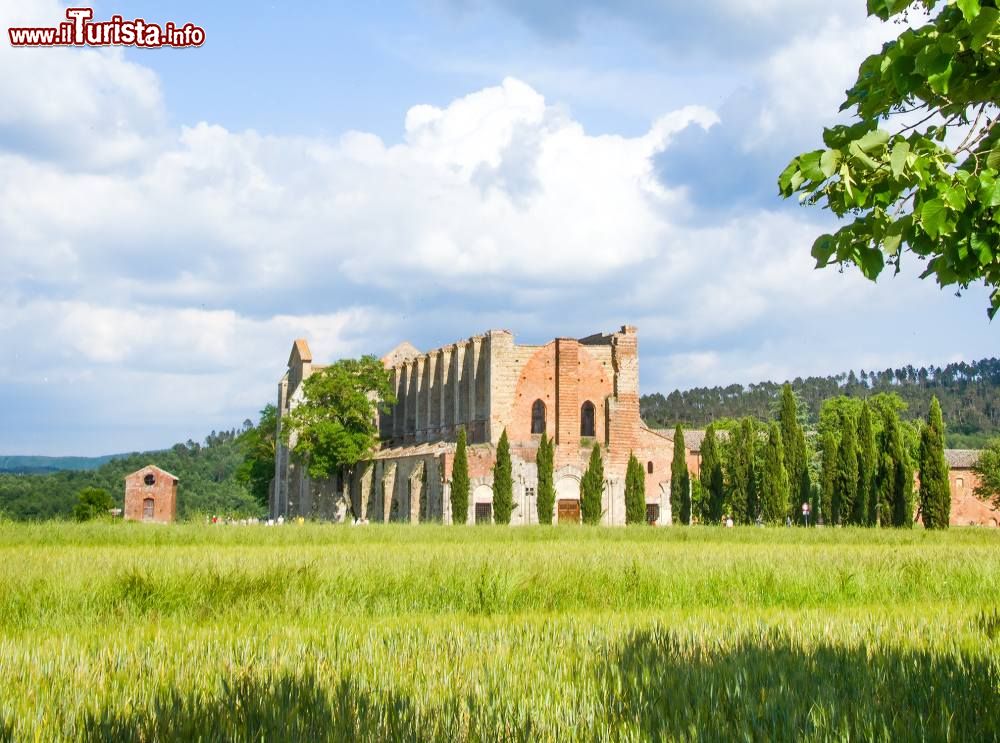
(323,632)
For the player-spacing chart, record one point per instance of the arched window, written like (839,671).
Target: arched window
(538,417)
(649,468)
(587,414)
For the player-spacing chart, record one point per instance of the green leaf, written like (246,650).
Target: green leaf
(859,154)
(871,262)
(810,164)
(984,24)
(954,196)
(939,82)
(993,159)
(845,176)
(785,179)
(989,191)
(891,244)
(969,8)
(824,247)
(982,249)
(873,140)
(933,217)
(829,162)
(898,159)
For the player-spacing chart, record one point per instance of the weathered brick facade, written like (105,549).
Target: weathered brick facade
(581,391)
(966,508)
(151,495)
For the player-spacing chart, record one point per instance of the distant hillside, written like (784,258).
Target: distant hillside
(207,476)
(969,394)
(32,465)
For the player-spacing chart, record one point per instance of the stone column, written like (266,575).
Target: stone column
(388,486)
(411,402)
(458,366)
(430,367)
(420,405)
(472,353)
(443,366)
(404,404)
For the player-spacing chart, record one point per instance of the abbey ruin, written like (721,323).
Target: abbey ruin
(577,391)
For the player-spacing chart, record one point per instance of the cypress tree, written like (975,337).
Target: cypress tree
(895,474)
(828,479)
(591,488)
(741,471)
(794,442)
(805,491)
(680,480)
(460,482)
(546,499)
(935,493)
(866,505)
(711,475)
(635,492)
(503,482)
(774,480)
(846,484)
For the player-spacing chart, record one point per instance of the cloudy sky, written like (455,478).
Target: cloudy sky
(370,172)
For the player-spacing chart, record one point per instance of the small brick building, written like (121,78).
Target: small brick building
(966,508)
(151,495)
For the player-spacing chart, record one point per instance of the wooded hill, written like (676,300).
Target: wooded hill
(969,394)
(208,481)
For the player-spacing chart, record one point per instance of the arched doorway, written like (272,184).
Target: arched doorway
(482,499)
(147,509)
(568,500)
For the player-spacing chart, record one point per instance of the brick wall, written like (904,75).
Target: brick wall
(966,508)
(162,491)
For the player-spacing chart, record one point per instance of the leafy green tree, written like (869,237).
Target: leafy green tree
(503,482)
(794,442)
(895,475)
(680,480)
(635,492)
(935,490)
(258,445)
(741,474)
(774,479)
(987,469)
(930,188)
(828,480)
(92,503)
(712,481)
(846,484)
(866,505)
(592,488)
(333,428)
(546,486)
(460,484)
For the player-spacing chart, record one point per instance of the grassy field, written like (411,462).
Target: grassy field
(315,632)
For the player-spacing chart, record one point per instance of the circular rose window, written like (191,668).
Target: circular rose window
(149,479)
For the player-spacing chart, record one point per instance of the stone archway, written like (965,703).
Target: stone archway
(567,499)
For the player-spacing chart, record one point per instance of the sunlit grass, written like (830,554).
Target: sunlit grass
(331,632)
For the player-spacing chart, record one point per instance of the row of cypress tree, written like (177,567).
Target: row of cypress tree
(591,484)
(865,475)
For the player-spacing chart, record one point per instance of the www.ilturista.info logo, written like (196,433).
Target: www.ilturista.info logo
(81,30)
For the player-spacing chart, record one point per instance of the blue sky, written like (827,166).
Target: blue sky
(363,173)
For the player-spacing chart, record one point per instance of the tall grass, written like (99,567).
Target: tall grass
(331,633)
